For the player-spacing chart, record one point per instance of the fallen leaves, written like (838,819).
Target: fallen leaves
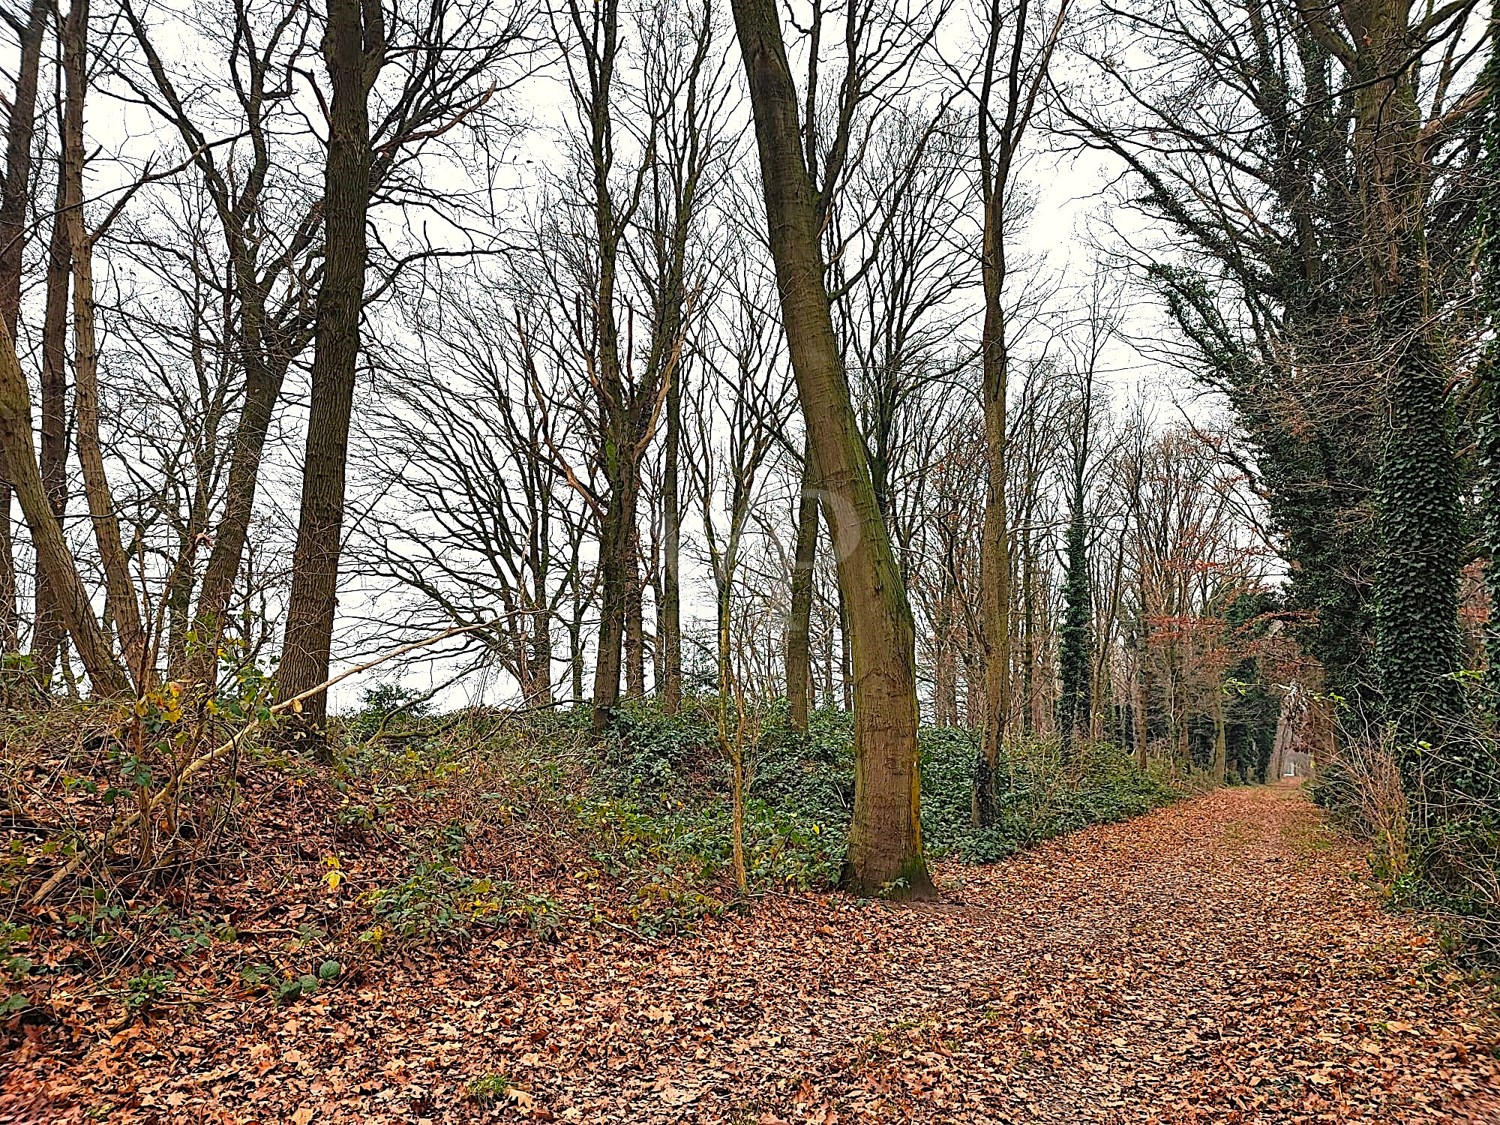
(1189,966)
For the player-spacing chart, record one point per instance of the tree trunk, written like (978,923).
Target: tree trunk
(669,611)
(799,621)
(945,666)
(1075,655)
(635,626)
(120,597)
(885,835)
(54,559)
(263,382)
(616,561)
(1141,704)
(575,647)
(50,626)
(1487,291)
(353,49)
(19,134)
(1221,740)
(994,563)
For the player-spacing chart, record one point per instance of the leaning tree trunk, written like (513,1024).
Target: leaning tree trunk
(54,559)
(885,836)
(799,621)
(263,381)
(353,49)
(120,596)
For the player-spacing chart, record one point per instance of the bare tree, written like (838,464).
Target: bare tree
(443,61)
(885,841)
(15,194)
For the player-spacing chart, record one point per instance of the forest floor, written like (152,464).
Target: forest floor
(1218,960)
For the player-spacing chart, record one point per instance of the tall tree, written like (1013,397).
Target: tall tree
(1379,46)
(885,836)
(15,193)
(268,233)
(354,50)
(121,605)
(1010,84)
(1488,373)
(1076,641)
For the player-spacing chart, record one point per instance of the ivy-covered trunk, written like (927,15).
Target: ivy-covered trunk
(1377,42)
(1417,496)
(1075,642)
(1488,374)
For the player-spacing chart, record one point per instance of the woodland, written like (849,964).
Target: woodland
(735,561)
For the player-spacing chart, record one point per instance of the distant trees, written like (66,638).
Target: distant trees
(1310,154)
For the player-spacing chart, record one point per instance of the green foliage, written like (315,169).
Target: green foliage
(666,811)
(1075,635)
(488,1089)
(1416,585)
(1041,794)
(143,991)
(15,966)
(650,751)
(439,901)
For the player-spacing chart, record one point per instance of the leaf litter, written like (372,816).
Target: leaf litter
(1220,960)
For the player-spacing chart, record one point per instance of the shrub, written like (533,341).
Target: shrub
(666,795)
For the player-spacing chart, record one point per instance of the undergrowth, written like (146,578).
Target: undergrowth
(277,878)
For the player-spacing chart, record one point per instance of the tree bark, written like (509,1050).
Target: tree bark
(121,604)
(54,558)
(1488,374)
(799,622)
(885,835)
(670,610)
(994,565)
(353,50)
(19,133)
(50,627)
(635,625)
(617,560)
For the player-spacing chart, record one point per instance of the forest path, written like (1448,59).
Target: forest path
(1219,960)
